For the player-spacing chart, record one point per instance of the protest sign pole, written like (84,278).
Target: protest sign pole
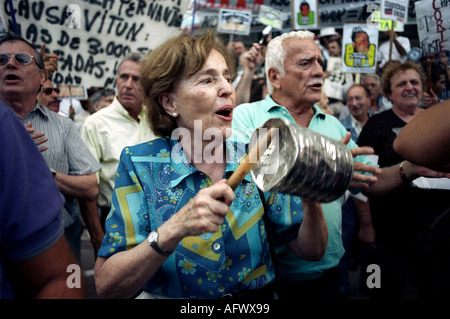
(428,90)
(13,17)
(193,17)
(391,39)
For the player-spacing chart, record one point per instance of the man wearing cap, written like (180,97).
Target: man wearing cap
(400,48)
(325,35)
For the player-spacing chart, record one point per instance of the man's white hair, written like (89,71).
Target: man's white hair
(276,54)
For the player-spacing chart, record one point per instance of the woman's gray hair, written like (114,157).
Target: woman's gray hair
(276,54)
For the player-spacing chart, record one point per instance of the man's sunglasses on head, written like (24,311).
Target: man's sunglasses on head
(23,58)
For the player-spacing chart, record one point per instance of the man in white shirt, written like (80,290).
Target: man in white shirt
(121,124)
(400,48)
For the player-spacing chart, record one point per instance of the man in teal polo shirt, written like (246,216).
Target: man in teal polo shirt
(294,78)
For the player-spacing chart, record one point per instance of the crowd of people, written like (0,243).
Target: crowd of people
(144,168)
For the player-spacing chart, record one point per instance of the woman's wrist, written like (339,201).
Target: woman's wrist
(407,171)
(169,236)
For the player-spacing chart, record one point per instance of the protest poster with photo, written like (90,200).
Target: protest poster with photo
(304,14)
(333,85)
(396,10)
(433,26)
(271,17)
(359,48)
(234,22)
(91,37)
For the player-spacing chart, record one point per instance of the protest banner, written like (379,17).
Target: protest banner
(336,12)
(432,26)
(73,91)
(304,14)
(91,37)
(359,48)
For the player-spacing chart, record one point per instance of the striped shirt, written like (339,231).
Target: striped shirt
(66,153)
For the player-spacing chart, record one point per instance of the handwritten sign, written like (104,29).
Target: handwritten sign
(73,91)
(433,26)
(92,36)
(360,43)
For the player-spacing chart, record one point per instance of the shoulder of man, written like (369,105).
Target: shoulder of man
(248,111)
(63,121)
(246,120)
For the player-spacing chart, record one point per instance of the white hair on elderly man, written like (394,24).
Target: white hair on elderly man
(276,54)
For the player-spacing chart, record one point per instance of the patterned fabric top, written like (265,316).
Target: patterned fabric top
(154,181)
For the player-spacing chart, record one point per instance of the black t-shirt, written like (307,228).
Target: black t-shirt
(399,215)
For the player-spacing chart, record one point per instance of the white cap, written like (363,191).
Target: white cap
(325,32)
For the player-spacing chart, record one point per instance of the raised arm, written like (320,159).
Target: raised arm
(250,61)
(425,140)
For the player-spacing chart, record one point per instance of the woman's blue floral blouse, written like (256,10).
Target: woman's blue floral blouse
(154,181)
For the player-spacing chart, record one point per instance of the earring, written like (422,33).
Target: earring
(174,114)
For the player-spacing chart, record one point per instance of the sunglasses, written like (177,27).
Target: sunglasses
(23,58)
(48,91)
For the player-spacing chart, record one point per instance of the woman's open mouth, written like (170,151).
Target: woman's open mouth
(225,113)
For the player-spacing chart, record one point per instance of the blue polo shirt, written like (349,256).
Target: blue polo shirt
(246,119)
(30,203)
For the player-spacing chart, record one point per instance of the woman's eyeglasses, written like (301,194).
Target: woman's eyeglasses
(48,91)
(23,58)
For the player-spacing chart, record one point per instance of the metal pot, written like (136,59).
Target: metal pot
(302,162)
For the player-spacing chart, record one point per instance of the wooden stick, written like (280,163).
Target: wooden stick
(391,40)
(428,89)
(244,168)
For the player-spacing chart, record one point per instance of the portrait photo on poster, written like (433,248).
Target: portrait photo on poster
(360,43)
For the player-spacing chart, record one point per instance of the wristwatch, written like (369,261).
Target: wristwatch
(153,242)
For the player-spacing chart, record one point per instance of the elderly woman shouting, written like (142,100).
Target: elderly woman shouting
(176,228)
